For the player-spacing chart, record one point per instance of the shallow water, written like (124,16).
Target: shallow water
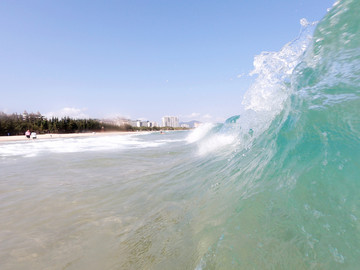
(64,205)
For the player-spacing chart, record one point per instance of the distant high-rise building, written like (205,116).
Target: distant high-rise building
(153,124)
(170,121)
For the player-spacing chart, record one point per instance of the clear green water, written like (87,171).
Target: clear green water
(276,188)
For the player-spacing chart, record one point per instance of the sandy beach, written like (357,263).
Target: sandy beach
(68,135)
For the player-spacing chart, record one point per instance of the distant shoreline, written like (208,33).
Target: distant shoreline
(64,135)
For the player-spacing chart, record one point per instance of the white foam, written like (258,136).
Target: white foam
(209,140)
(73,145)
(199,132)
(215,142)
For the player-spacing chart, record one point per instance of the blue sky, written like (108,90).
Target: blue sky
(139,59)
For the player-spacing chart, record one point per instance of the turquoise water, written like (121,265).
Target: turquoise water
(274,188)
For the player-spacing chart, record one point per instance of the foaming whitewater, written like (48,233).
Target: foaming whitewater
(274,187)
(208,141)
(32,148)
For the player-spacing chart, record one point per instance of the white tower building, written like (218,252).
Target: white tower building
(170,121)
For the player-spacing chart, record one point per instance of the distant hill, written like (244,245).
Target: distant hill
(191,123)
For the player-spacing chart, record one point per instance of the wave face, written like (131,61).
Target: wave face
(288,197)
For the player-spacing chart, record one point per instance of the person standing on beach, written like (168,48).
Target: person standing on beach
(27,134)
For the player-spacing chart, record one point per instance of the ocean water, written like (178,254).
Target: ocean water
(275,187)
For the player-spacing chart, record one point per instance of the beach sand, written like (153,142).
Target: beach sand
(68,135)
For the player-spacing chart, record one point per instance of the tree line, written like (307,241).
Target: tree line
(18,124)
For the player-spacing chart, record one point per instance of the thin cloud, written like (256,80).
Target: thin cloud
(117,115)
(206,118)
(4,110)
(191,116)
(194,114)
(68,112)
(241,75)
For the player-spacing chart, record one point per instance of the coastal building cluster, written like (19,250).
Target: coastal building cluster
(119,121)
(167,121)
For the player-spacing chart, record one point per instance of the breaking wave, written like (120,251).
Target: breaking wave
(288,193)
